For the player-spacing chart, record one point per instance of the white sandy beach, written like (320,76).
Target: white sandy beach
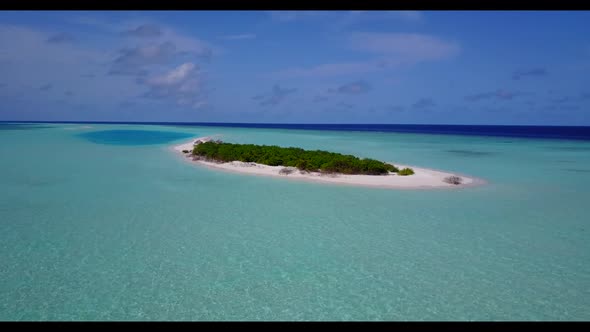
(423,178)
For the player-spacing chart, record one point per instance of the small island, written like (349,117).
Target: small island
(315,165)
(304,160)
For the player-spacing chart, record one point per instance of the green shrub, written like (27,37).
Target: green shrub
(184,151)
(302,164)
(405,171)
(303,160)
(392,168)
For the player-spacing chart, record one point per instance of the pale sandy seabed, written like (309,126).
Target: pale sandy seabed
(423,178)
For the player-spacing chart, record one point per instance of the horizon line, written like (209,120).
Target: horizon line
(283,123)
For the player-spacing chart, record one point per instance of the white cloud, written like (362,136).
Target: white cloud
(174,76)
(189,44)
(388,50)
(161,49)
(157,33)
(406,47)
(136,60)
(27,58)
(26,45)
(181,85)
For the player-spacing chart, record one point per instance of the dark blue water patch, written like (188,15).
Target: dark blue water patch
(469,153)
(20,126)
(133,137)
(548,132)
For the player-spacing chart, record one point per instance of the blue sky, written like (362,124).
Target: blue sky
(429,67)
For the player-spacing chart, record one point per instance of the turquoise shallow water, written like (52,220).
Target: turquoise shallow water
(100,228)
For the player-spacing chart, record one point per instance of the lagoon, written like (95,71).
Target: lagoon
(98,225)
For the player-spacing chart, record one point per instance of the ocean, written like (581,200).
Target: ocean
(103,221)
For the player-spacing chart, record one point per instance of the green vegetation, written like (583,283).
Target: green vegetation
(405,171)
(304,160)
(185,151)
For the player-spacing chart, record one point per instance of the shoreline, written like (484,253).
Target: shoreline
(424,178)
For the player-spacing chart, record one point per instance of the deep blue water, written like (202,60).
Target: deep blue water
(20,126)
(553,132)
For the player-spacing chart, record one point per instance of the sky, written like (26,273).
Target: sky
(400,67)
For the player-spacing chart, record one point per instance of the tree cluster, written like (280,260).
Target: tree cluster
(304,160)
